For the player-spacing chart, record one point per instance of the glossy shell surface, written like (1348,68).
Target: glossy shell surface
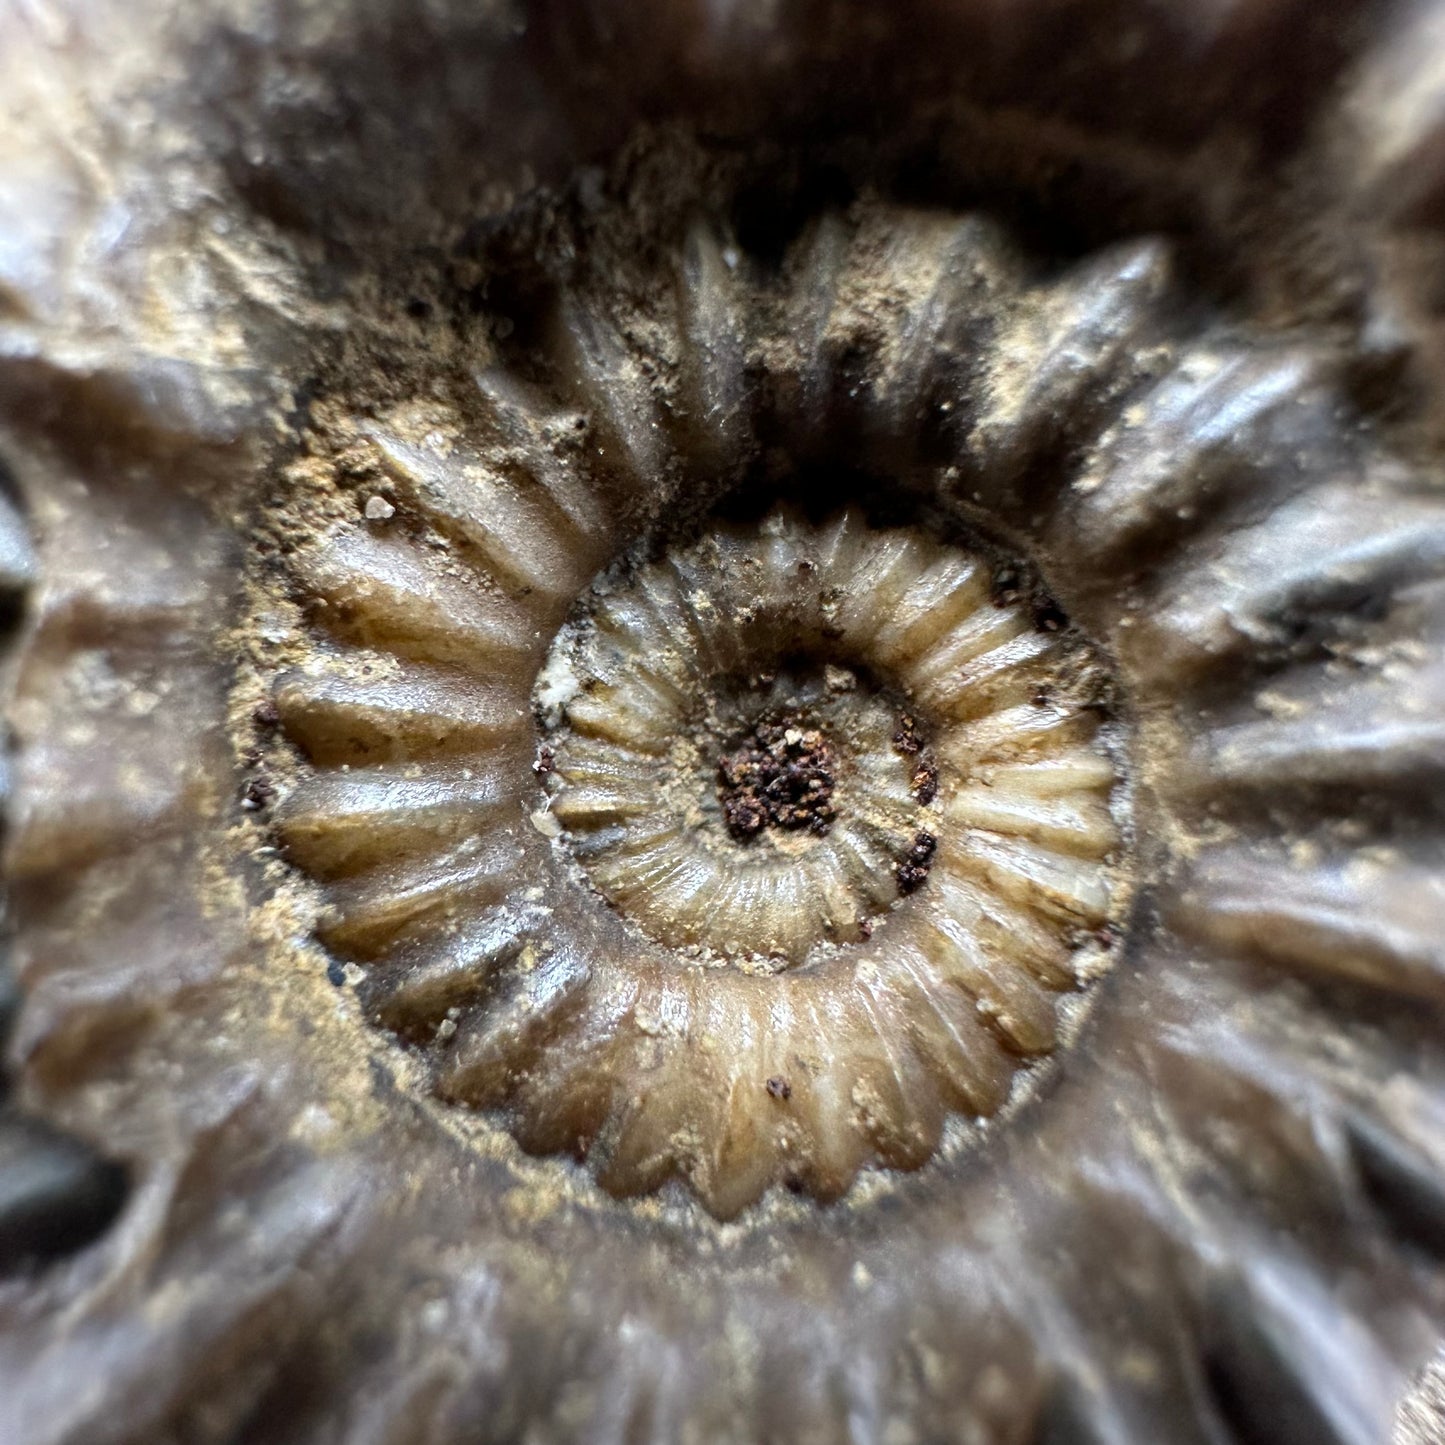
(457,453)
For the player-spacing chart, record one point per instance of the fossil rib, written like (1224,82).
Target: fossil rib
(727,721)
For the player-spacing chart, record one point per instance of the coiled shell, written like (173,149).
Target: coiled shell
(1140,294)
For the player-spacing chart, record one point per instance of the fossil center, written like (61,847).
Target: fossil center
(741,733)
(782,775)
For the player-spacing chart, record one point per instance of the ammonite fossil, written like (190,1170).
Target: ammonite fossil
(727,721)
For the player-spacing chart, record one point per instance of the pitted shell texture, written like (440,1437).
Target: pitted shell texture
(367,369)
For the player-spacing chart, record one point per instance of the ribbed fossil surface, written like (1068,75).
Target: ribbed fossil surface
(751,807)
(728,722)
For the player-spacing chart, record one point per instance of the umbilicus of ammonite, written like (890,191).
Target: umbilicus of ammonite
(727,722)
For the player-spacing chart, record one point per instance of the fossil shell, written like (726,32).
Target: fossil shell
(683,1050)
(729,725)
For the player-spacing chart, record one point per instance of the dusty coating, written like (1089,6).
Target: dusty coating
(245,244)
